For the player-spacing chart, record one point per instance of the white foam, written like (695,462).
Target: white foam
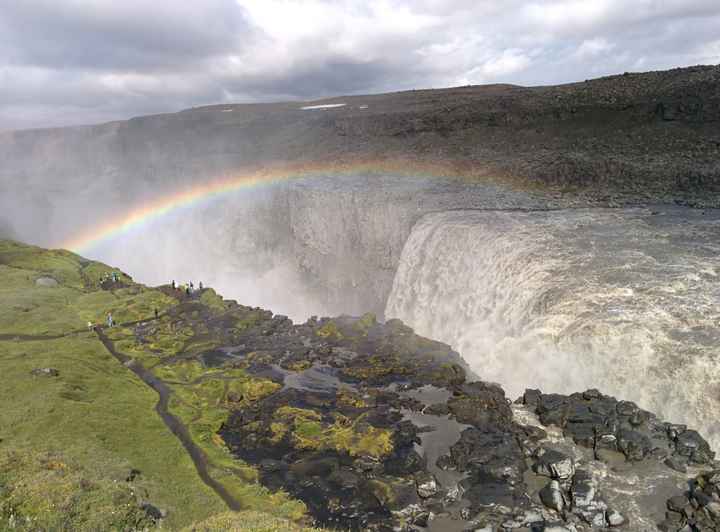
(570,301)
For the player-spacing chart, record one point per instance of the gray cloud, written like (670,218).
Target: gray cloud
(81,61)
(129,35)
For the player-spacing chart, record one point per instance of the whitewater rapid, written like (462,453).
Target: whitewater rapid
(626,301)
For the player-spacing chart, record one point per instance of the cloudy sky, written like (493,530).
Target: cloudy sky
(84,61)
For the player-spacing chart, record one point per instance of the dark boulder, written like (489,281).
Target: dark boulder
(153,512)
(554,464)
(553,496)
(583,489)
(531,397)
(491,452)
(480,404)
(552,409)
(691,445)
(634,445)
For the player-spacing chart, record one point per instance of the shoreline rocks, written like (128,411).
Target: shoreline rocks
(376,428)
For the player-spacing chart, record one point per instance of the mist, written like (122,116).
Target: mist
(321,246)
(520,304)
(211,243)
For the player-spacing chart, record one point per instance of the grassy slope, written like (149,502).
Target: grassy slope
(96,413)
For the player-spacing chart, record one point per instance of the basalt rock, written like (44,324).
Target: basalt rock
(696,509)
(480,404)
(375,428)
(554,464)
(339,433)
(601,422)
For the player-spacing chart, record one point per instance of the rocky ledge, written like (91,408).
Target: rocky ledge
(376,428)
(348,422)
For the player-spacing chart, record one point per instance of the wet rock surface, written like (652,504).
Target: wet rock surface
(376,428)
(373,427)
(339,435)
(698,508)
(605,424)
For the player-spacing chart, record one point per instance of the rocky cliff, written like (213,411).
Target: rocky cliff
(657,129)
(648,135)
(635,138)
(350,423)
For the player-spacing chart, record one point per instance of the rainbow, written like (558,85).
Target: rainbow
(154,209)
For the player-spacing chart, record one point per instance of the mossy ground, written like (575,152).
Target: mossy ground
(249,521)
(97,414)
(307,430)
(99,417)
(45,491)
(76,300)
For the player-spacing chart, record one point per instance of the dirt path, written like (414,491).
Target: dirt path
(161,388)
(173,423)
(40,337)
(28,337)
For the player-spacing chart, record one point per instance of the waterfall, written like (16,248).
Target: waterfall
(620,300)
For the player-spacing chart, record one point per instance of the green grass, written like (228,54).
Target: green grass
(203,406)
(45,491)
(38,310)
(98,420)
(98,414)
(248,522)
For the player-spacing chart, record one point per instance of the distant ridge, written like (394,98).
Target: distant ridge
(653,135)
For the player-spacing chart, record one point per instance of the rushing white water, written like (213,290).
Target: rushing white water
(624,301)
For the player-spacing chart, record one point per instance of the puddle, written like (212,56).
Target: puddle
(318,378)
(434,444)
(217,357)
(437,442)
(429,395)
